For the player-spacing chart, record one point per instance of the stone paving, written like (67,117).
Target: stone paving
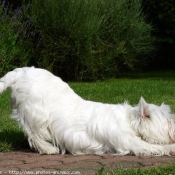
(28,162)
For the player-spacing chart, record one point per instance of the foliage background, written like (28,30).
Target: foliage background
(162,16)
(87,40)
(91,40)
(17,46)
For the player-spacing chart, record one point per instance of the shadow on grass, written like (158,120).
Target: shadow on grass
(12,141)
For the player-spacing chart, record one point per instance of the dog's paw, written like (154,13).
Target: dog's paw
(51,150)
(122,153)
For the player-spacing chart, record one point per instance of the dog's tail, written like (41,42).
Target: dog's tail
(11,78)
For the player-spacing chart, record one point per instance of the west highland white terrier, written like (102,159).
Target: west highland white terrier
(55,119)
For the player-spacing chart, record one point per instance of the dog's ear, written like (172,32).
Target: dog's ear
(143,108)
(171,128)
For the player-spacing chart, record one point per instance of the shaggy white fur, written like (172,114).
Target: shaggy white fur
(56,120)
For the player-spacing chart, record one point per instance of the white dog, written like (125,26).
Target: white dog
(56,120)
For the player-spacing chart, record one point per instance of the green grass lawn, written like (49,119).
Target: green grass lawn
(160,170)
(155,87)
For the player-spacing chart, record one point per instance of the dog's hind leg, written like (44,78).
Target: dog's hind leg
(41,139)
(34,122)
(41,145)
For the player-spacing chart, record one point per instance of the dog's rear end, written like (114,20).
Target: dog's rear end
(27,105)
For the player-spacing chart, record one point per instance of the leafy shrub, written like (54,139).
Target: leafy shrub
(16,45)
(91,40)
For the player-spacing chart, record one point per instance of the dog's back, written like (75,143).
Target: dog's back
(27,77)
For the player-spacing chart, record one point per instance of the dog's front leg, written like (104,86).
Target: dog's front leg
(139,147)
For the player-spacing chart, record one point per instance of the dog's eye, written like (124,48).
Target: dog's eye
(147,116)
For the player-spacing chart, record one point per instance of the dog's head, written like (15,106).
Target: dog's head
(155,124)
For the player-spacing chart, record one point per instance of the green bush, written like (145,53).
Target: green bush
(16,45)
(91,40)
